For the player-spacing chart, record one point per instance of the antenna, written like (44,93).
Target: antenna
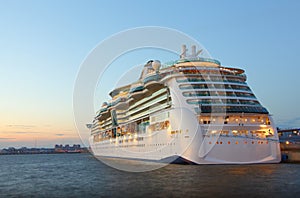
(193,50)
(199,52)
(183,51)
(193,54)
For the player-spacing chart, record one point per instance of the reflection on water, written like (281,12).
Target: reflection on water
(131,165)
(78,175)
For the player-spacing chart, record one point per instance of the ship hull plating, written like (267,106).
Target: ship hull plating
(184,141)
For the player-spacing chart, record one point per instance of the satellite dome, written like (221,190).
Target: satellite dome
(156,65)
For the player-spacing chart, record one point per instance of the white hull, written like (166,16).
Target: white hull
(185,140)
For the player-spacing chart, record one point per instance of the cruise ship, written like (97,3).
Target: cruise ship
(192,110)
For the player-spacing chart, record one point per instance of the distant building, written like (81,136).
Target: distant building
(76,148)
(290,135)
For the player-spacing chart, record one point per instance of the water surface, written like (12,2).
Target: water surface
(81,175)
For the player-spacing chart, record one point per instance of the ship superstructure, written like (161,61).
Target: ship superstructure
(192,110)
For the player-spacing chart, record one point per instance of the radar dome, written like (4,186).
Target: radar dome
(156,65)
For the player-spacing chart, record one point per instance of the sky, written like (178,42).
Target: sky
(44,43)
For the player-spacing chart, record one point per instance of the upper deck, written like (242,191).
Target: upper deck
(202,83)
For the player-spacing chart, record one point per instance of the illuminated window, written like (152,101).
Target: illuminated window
(235,132)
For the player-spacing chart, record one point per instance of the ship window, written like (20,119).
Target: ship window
(224,132)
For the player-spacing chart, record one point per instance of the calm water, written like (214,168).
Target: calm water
(80,175)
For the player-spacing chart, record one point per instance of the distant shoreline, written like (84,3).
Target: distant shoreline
(58,149)
(44,153)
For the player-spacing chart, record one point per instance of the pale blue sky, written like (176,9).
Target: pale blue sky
(43,44)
